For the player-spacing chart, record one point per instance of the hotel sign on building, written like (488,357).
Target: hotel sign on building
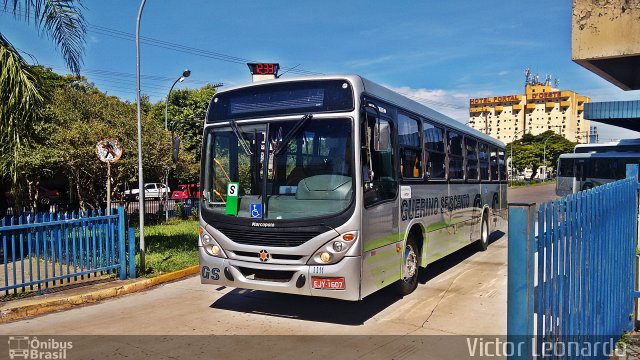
(548,95)
(495,99)
(541,108)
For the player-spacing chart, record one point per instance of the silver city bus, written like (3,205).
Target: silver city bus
(580,171)
(335,186)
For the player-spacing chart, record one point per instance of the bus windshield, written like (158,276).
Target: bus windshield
(308,176)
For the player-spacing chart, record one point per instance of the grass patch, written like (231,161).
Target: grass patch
(170,247)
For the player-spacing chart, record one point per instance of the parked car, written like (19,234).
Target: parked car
(151,191)
(186,191)
(48,196)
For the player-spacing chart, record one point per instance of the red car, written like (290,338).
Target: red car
(186,191)
(48,197)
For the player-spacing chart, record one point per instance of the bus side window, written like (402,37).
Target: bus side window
(436,156)
(456,155)
(410,147)
(565,168)
(502,165)
(483,157)
(471,158)
(493,162)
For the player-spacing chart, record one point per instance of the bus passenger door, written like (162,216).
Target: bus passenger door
(380,214)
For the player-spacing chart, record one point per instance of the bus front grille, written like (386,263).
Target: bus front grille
(266,275)
(273,256)
(268,238)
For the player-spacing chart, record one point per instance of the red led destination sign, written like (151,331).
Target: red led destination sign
(264,69)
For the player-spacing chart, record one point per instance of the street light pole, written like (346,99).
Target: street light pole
(141,208)
(185,74)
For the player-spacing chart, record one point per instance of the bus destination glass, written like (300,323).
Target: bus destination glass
(282,99)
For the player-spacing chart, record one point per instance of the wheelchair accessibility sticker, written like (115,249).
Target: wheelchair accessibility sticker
(255,211)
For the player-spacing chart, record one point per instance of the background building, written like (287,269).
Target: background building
(541,108)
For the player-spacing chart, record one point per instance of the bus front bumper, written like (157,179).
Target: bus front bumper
(290,279)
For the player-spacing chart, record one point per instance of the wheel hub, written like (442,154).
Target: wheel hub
(410,262)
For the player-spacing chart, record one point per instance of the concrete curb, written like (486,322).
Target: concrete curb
(50,305)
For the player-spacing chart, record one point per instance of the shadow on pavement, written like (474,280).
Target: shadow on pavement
(306,307)
(440,266)
(332,310)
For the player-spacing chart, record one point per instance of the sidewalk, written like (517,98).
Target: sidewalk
(17,309)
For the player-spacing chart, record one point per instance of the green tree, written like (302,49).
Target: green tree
(23,95)
(186,112)
(528,152)
(78,116)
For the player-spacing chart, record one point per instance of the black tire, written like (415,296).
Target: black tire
(483,243)
(408,284)
(587,186)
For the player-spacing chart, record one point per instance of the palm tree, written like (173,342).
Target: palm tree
(21,95)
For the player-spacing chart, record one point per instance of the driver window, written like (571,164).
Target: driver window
(382,186)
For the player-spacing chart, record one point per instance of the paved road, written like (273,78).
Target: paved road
(533,194)
(464,293)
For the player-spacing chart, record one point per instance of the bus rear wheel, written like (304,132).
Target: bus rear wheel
(409,281)
(483,243)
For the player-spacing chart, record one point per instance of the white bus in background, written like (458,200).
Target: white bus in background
(623,145)
(362,187)
(585,170)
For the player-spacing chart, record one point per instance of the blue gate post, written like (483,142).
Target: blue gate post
(132,253)
(121,244)
(521,243)
(632,172)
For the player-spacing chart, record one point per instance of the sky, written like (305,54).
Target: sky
(441,53)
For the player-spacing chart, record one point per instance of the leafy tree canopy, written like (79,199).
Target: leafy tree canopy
(529,151)
(74,120)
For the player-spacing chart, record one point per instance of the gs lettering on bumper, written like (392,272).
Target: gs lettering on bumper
(207,273)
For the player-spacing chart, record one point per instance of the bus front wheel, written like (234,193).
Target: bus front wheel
(409,281)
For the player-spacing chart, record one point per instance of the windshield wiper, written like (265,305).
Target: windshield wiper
(293,132)
(241,139)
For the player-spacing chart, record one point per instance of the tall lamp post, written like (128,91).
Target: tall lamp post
(141,208)
(185,74)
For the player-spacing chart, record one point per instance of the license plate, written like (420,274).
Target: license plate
(328,283)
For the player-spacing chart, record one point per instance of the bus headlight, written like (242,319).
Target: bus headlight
(210,245)
(334,250)
(338,246)
(325,257)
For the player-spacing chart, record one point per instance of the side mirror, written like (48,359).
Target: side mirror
(382,136)
(175,148)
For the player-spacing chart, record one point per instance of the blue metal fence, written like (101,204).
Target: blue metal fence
(575,281)
(47,250)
